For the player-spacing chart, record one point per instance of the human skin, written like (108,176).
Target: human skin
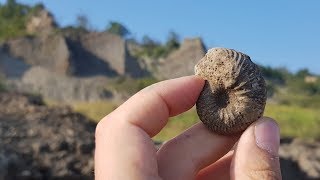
(125,150)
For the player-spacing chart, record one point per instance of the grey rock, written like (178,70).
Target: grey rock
(54,86)
(181,62)
(42,22)
(109,50)
(50,52)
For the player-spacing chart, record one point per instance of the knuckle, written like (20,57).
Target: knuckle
(265,173)
(101,128)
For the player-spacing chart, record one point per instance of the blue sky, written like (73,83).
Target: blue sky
(277,33)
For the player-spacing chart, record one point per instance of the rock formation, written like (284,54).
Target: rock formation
(90,54)
(62,88)
(181,62)
(109,49)
(50,52)
(12,67)
(42,22)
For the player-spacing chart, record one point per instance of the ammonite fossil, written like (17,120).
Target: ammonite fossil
(234,94)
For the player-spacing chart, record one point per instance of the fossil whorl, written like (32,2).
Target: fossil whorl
(234,94)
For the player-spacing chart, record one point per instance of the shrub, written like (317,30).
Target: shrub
(13,18)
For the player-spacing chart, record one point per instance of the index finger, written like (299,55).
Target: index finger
(150,108)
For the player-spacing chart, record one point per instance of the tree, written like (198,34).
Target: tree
(82,22)
(303,73)
(13,17)
(148,42)
(117,28)
(172,41)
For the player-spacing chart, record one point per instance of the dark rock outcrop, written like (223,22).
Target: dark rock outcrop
(11,67)
(37,142)
(181,62)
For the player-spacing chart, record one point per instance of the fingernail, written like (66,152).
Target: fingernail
(268,136)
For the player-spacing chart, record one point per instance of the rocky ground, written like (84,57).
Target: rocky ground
(37,142)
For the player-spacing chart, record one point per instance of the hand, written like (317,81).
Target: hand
(124,149)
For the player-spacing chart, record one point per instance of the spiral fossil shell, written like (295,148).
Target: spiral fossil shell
(234,94)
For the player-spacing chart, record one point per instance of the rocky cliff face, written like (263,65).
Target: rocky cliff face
(181,62)
(42,22)
(51,52)
(90,54)
(68,65)
(11,67)
(62,88)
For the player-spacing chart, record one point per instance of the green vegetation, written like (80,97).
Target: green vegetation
(153,49)
(296,121)
(82,22)
(2,83)
(94,110)
(129,86)
(2,86)
(177,125)
(117,28)
(13,18)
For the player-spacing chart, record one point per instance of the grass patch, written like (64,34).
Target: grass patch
(2,86)
(94,110)
(298,100)
(177,125)
(130,86)
(295,121)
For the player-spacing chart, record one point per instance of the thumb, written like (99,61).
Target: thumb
(256,155)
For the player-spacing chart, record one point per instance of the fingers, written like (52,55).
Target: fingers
(256,156)
(185,155)
(124,149)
